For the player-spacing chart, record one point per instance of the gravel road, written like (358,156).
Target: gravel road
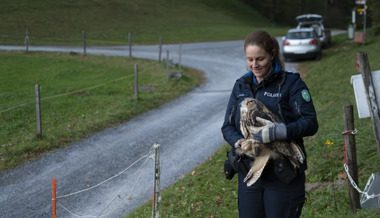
(187,129)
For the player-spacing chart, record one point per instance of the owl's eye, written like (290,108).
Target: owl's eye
(249,103)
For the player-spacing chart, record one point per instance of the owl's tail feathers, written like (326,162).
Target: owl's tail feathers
(257,169)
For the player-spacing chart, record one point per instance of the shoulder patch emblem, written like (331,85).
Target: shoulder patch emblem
(305,95)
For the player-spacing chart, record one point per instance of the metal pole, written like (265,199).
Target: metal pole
(136,82)
(365,21)
(84,42)
(54,199)
(130,43)
(38,110)
(167,65)
(160,50)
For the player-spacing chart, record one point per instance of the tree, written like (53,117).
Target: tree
(374,16)
(303,5)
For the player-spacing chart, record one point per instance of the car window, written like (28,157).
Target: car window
(299,35)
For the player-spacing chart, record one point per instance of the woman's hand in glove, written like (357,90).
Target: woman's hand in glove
(269,131)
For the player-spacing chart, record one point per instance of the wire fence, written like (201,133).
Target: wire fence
(78,90)
(118,196)
(85,41)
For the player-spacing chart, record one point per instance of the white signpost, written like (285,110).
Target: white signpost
(360,96)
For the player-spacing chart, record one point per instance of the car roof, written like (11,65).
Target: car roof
(309,18)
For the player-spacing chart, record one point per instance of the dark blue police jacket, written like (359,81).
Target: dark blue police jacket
(284,93)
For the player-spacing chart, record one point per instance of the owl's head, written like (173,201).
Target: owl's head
(249,104)
(250,108)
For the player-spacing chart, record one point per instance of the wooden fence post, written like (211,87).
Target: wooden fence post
(136,82)
(156,182)
(167,65)
(350,148)
(27,39)
(371,96)
(130,43)
(179,56)
(38,110)
(84,42)
(160,50)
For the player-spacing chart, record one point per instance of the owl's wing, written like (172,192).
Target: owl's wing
(291,150)
(244,129)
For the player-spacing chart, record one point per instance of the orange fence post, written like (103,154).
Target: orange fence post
(54,186)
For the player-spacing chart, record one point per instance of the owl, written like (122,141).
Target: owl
(251,110)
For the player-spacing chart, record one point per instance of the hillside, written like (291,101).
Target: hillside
(109,22)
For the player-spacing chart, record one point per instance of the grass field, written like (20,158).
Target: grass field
(109,22)
(206,193)
(80,95)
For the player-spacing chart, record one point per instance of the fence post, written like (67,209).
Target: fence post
(370,95)
(167,65)
(136,82)
(38,110)
(84,42)
(54,199)
(180,55)
(156,182)
(160,50)
(130,43)
(350,148)
(27,39)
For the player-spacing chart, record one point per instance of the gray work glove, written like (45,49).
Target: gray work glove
(269,131)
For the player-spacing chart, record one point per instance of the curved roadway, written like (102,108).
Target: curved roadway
(188,130)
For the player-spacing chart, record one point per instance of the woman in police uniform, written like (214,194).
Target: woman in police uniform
(286,95)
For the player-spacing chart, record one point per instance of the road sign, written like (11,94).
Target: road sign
(362,9)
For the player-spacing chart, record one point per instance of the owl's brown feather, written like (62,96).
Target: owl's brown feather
(250,109)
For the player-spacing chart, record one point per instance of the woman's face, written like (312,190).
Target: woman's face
(259,61)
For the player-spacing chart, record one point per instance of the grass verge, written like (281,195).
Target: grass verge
(80,95)
(206,193)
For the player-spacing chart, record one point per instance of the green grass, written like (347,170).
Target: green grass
(202,193)
(206,193)
(329,81)
(80,95)
(109,22)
